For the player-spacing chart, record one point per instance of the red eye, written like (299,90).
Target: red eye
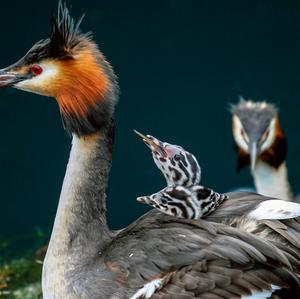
(36,69)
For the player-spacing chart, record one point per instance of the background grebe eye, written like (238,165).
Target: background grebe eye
(244,135)
(36,69)
(264,136)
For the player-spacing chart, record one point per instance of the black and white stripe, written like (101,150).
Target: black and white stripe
(185,202)
(180,167)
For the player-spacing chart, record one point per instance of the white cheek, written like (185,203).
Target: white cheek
(37,83)
(239,139)
(271,137)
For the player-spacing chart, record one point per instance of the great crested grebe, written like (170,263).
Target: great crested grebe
(261,143)
(157,256)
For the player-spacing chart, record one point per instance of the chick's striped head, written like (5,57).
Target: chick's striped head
(178,166)
(184,202)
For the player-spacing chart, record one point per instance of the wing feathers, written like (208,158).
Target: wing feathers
(284,231)
(203,259)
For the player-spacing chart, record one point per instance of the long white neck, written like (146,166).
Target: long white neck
(272,182)
(80,230)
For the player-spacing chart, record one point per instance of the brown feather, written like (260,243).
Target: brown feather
(82,85)
(243,159)
(276,154)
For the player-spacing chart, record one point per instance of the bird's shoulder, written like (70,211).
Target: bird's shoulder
(237,204)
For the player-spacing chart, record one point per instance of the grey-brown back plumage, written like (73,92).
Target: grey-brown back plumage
(237,205)
(203,259)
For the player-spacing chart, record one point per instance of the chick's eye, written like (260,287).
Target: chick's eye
(36,69)
(177,157)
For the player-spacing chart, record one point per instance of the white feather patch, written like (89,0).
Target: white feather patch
(276,209)
(262,295)
(148,290)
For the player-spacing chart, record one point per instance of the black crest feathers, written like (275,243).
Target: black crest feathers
(65,34)
(64,38)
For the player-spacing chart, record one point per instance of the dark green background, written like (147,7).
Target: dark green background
(179,65)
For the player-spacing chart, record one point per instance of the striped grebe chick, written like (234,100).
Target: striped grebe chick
(178,166)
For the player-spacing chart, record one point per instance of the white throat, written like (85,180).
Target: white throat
(273,182)
(80,228)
